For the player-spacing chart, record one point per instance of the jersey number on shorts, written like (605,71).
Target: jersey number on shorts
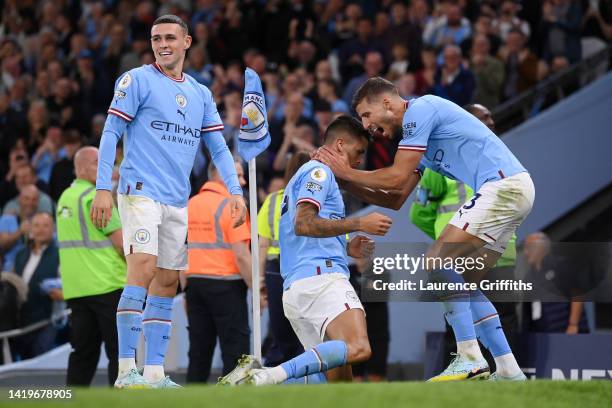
(472,202)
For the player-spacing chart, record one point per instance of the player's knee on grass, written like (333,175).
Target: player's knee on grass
(358,351)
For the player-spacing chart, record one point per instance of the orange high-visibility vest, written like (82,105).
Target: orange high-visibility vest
(211,234)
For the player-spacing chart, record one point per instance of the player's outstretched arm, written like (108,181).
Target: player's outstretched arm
(397,177)
(308,223)
(102,205)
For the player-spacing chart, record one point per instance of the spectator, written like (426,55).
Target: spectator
(15,228)
(400,62)
(508,20)
(521,65)
(18,158)
(425,76)
(560,29)
(280,130)
(302,138)
(218,277)
(326,90)
(453,28)
(452,81)
(488,72)
(24,177)
(551,273)
(62,173)
(93,272)
(406,86)
(373,66)
(405,32)
(35,263)
(354,52)
(48,153)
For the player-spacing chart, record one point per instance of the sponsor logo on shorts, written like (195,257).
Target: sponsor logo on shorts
(142,236)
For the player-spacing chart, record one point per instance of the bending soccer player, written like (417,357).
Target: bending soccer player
(164,113)
(318,299)
(440,135)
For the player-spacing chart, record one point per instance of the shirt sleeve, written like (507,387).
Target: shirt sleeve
(211,121)
(314,186)
(419,121)
(263,227)
(127,97)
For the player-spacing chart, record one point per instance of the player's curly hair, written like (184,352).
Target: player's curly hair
(371,89)
(171,19)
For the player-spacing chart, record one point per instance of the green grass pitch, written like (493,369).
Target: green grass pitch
(540,394)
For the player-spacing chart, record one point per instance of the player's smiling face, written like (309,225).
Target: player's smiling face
(169,42)
(377,116)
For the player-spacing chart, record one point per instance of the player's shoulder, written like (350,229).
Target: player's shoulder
(316,171)
(203,89)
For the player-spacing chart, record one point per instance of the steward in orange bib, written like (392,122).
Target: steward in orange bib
(218,276)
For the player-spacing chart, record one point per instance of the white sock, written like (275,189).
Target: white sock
(469,349)
(126,364)
(153,373)
(507,365)
(277,373)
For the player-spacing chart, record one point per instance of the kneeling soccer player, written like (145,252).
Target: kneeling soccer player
(319,301)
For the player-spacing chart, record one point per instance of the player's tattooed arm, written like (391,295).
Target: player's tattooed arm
(308,223)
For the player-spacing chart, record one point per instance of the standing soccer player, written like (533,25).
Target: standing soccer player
(318,299)
(164,113)
(440,135)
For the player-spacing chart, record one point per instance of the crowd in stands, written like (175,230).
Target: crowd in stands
(59,60)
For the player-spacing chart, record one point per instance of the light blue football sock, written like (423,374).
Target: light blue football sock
(456,305)
(129,320)
(317,378)
(322,357)
(157,322)
(487,325)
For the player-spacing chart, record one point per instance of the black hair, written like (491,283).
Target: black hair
(372,88)
(348,125)
(171,19)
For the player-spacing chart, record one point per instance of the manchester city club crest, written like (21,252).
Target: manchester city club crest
(253,121)
(181,101)
(142,236)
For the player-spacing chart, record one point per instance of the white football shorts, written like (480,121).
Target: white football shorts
(312,303)
(495,212)
(154,228)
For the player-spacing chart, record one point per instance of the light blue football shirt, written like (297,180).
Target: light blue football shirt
(166,117)
(303,257)
(455,143)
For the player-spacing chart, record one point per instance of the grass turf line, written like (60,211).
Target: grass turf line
(540,394)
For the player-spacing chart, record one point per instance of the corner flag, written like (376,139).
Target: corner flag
(254,137)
